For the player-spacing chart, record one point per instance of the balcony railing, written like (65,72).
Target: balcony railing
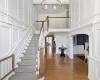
(56,23)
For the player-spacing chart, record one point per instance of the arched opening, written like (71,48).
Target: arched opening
(81,46)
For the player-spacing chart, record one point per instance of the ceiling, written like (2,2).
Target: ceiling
(41,11)
(51,1)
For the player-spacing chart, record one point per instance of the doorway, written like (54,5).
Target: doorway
(50,44)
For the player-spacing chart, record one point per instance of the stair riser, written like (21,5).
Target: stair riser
(30,51)
(32,45)
(31,48)
(34,53)
(33,41)
(30,56)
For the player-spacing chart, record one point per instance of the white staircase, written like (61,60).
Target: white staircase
(27,67)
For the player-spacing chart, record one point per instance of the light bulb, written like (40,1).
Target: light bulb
(46,7)
(55,7)
(41,0)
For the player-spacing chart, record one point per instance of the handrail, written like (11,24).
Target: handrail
(41,28)
(59,17)
(12,57)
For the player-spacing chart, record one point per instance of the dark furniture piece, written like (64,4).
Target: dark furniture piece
(62,51)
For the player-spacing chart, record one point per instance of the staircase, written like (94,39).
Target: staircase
(27,67)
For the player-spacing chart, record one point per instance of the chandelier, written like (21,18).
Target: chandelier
(51,7)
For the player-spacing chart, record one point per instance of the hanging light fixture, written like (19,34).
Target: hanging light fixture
(51,7)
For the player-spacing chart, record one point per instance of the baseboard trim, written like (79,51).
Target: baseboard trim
(78,54)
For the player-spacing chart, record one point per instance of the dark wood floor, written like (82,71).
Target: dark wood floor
(57,68)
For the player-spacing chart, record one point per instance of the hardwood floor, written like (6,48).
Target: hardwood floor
(59,68)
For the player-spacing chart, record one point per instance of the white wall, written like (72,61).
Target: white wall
(35,15)
(55,22)
(82,10)
(62,38)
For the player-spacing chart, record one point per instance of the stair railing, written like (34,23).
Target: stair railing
(40,43)
(7,66)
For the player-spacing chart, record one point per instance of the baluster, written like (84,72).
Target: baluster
(8,65)
(13,62)
(0,70)
(5,64)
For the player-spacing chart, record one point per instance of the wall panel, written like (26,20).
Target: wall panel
(3,4)
(4,40)
(15,35)
(12,8)
(97,71)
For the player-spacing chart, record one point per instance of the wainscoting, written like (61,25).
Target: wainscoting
(15,32)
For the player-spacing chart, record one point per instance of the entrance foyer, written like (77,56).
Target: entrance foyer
(20,20)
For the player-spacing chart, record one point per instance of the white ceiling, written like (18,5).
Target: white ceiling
(41,11)
(51,1)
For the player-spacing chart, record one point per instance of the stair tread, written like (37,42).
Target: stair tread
(15,77)
(28,58)
(29,53)
(25,74)
(22,70)
(27,63)
(28,67)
